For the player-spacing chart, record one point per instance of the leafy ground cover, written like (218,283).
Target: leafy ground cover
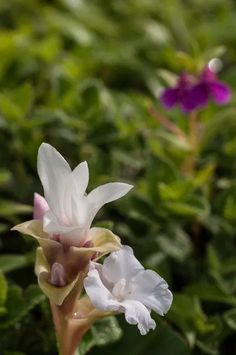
(85,76)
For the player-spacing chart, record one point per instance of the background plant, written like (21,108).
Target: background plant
(83,75)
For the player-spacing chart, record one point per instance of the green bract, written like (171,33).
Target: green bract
(74,260)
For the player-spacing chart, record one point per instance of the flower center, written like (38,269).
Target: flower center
(119,290)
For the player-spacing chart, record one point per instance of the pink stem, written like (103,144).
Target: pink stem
(165,122)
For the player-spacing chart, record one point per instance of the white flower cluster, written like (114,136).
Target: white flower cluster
(121,284)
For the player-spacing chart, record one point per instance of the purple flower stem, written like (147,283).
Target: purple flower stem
(165,122)
(189,163)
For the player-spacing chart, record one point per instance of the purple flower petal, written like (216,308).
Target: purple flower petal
(208,75)
(169,97)
(195,97)
(220,92)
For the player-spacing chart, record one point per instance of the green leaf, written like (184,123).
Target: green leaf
(3,289)
(177,190)
(176,244)
(23,97)
(9,208)
(230,208)
(69,26)
(210,292)
(162,341)
(187,314)
(230,318)
(204,175)
(103,332)
(10,262)
(11,111)
(195,209)
(5,176)
(182,306)
(19,303)
(2,310)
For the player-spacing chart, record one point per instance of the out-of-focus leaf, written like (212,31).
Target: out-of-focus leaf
(69,26)
(3,289)
(9,208)
(230,318)
(23,97)
(178,190)
(187,314)
(176,245)
(168,77)
(209,343)
(2,310)
(10,262)
(163,341)
(210,292)
(9,109)
(179,144)
(204,175)
(230,207)
(19,303)
(103,332)
(195,209)
(5,176)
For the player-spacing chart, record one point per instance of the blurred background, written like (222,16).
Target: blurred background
(85,76)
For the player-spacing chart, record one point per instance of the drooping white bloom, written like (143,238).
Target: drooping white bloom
(122,285)
(70,210)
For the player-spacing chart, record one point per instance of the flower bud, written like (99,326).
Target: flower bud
(40,206)
(58,276)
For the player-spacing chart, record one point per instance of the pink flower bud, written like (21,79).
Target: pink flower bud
(58,275)
(40,206)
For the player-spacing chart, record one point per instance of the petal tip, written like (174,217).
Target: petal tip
(44,145)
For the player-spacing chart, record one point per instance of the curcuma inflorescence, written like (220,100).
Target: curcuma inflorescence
(69,250)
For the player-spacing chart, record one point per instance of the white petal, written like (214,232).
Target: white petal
(54,172)
(51,224)
(81,178)
(107,193)
(99,295)
(121,264)
(99,268)
(69,235)
(79,211)
(152,290)
(137,313)
(76,205)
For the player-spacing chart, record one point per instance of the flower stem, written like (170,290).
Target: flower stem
(69,331)
(189,163)
(165,122)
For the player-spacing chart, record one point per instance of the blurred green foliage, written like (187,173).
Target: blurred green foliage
(83,75)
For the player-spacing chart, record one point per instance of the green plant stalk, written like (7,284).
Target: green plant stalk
(189,163)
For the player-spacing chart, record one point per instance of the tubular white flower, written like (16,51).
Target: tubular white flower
(71,211)
(122,285)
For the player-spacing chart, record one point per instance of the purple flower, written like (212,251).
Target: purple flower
(190,96)
(208,87)
(176,96)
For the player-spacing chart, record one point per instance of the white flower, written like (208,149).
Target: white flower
(122,285)
(71,211)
